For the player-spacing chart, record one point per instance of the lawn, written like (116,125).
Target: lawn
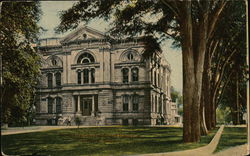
(100,141)
(232,136)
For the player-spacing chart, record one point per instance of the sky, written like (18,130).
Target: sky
(50,19)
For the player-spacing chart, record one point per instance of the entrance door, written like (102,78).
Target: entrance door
(87,107)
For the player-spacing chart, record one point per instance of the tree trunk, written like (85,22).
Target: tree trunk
(206,91)
(203,127)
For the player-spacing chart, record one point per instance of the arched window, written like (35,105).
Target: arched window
(160,105)
(58,79)
(135,102)
(125,102)
(58,105)
(50,105)
(50,80)
(85,58)
(85,76)
(125,75)
(79,77)
(135,75)
(92,75)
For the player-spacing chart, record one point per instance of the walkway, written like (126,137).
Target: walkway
(19,130)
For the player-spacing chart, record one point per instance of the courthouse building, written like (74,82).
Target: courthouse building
(101,81)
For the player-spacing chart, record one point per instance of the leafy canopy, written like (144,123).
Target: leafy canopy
(18,30)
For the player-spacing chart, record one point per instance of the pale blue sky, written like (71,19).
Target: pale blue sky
(50,20)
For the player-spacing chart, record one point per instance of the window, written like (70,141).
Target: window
(156,104)
(160,105)
(135,102)
(58,79)
(58,105)
(85,58)
(50,80)
(54,62)
(135,74)
(125,102)
(159,79)
(130,56)
(79,77)
(76,103)
(125,75)
(85,76)
(152,103)
(50,105)
(155,78)
(92,75)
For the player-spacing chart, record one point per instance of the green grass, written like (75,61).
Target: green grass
(100,141)
(232,136)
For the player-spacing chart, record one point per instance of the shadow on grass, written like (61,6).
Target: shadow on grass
(232,136)
(99,141)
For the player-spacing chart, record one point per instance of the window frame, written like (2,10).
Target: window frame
(125,103)
(50,80)
(135,75)
(125,75)
(58,77)
(58,105)
(50,105)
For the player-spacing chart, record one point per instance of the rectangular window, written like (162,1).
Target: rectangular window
(92,75)
(58,79)
(135,103)
(156,104)
(50,105)
(50,80)
(155,78)
(79,77)
(125,74)
(85,76)
(58,105)
(160,105)
(76,103)
(125,102)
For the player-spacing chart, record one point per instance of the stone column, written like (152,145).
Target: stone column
(93,106)
(89,75)
(78,104)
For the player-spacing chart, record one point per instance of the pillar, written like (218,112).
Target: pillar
(93,106)
(78,104)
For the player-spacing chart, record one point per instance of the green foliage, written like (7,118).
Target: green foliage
(128,19)
(100,141)
(18,30)
(223,116)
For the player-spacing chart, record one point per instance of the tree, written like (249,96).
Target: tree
(189,23)
(18,30)
(228,43)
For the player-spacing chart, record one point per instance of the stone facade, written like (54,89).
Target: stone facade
(102,82)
